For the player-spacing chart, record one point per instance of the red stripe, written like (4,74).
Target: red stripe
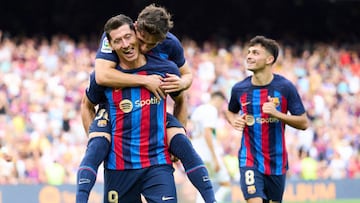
(249,155)
(117,97)
(284,155)
(265,133)
(145,127)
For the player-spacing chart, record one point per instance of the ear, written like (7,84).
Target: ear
(270,59)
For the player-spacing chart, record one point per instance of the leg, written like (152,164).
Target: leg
(252,184)
(97,150)
(181,147)
(158,184)
(123,186)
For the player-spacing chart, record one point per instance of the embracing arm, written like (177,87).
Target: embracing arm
(107,75)
(174,83)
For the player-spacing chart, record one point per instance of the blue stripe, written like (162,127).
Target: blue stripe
(135,133)
(279,141)
(242,152)
(111,160)
(256,108)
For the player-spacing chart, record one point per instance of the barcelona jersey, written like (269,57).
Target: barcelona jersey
(138,118)
(263,141)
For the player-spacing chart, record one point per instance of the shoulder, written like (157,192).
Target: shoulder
(171,41)
(245,83)
(282,81)
(172,37)
(161,64)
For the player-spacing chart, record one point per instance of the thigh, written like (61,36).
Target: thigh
(159,184)
(252,183)
(172,121)
(101,125)
(173,127)
(275,186)
(122,186)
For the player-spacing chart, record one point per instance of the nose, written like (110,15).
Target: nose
(125,43)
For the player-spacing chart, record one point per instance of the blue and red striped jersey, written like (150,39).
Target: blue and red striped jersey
(138,119)
(263,141)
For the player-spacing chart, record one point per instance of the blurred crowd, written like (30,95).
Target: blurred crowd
(42,81)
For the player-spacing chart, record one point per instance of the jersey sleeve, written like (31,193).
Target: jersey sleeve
(105,51)
(295,105)
(234,105)
(177,52)
(95,92)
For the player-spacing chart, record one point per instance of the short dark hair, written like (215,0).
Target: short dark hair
(218,94)
(116,22)
(270,45)
(155,20)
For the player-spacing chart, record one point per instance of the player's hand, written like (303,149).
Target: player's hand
(153,84)
(172,83)
(269,107)
(239,122)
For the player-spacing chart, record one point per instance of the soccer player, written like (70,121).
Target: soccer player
(152,28)
(266,102)
(138,161)
(204,120)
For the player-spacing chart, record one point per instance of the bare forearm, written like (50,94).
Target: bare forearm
(186,76)
(87,112)
(299,122)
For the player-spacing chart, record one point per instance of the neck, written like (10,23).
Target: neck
(262,78)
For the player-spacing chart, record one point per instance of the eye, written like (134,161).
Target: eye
(128,36)
(117,41)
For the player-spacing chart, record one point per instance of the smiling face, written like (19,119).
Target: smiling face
(124,43)
(258,58)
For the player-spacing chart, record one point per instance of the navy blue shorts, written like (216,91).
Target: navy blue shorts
(155,183)
(101,122)
(255,184)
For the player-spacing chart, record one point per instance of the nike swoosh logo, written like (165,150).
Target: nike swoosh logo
(245,103)
(166,198)
(205,178)
(84,181)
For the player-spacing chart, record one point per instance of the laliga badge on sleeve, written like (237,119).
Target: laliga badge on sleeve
(105,47)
